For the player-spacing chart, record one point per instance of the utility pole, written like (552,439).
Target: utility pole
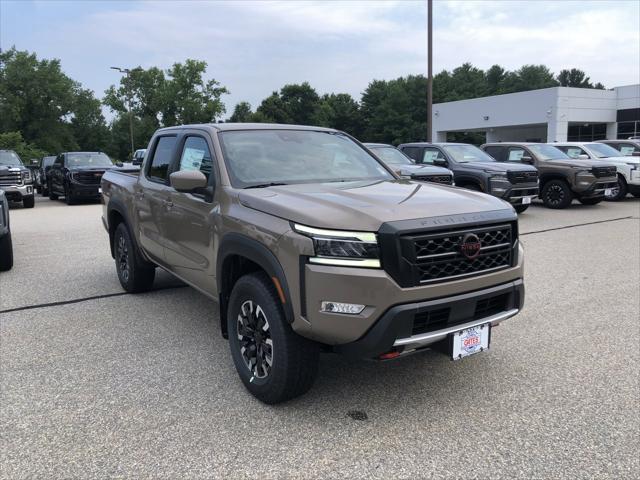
(126,71)
(429,70)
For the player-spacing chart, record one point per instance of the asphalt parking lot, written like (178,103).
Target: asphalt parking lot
(95,383)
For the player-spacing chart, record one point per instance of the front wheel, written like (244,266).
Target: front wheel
(274,363)
(591,201)
(133,274)
(619,191)
(52,194)
(6,253)
(68,197)
(556,194)
(520,208)
(29,202)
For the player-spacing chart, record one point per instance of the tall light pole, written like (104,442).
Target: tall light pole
(126,71)
(429,70)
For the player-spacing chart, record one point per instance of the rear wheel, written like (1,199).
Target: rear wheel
(135,276)
(556,194)
(591,201)
(29,202)
(274,363)
(6,253)
(619,191)
(520,208)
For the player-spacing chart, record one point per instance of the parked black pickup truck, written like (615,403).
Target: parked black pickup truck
(474,169)
(76,175)
(6,247)
(406,167)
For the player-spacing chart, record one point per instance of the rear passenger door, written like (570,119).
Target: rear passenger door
(152,197)
(189,234)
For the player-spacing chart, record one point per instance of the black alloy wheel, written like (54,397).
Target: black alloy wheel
(556,194)
(254,335)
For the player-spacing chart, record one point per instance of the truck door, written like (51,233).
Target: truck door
(152,197)
(189,234)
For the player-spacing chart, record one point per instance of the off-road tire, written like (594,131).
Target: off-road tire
(6,253)
(620,191)
(134,273)
(68,197)
(52,195)
(556,194)
(520,208)
(44,192)
(29,202)
(591,201)
(294,359)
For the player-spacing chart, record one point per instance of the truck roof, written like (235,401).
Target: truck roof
(424,144)
(249,126)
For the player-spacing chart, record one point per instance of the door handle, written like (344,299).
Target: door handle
(168,204)
(139,195)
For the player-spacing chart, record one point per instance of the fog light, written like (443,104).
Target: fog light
(337,307)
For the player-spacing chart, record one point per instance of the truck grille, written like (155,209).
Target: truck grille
(88,178)
(11,178)
(437,257)
(446,179)
(600,172)
(522,177)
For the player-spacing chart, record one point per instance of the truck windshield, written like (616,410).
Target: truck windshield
(8,157)
(601,150)
(467,154)
(392,156)
(262,157)
(88,159)
(547,152)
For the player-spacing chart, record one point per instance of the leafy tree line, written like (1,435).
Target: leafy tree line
(43,111)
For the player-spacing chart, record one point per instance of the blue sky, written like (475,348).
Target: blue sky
(254,48)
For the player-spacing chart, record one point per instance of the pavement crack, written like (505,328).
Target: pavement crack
(84,299)
(578,225)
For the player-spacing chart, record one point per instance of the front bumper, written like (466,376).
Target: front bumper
(515,195)
(598,188)
(82,190)
(396,330)
(17,192)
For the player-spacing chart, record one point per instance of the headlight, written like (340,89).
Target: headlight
(634,166)
(339,247)
(499,183)
(26,175)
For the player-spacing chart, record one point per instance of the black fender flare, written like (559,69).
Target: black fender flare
(545,177)
(119,207)
(462,179)
(243,246)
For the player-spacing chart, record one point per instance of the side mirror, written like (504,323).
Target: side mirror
(582,156)
(526,159)
(188,180)
(440,162)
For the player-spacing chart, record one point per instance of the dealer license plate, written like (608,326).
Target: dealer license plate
(99,190)
(526,200)
(607,192)
(470,341)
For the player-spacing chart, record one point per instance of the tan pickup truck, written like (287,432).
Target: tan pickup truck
(309,243)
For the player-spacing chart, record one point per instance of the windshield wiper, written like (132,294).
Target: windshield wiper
(263,185)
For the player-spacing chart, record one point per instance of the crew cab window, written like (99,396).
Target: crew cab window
(162,154)
(412,152)
(573,152)
(196,156)
(516,154)
(430,154)
(495,152)
(627,149)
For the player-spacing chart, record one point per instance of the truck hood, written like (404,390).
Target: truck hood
(366,205)
(498,167)
(620,160)
(420,170)
(579,163)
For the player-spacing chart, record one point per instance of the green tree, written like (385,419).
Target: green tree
(88,125)
(340,111)
(494,78)
(574,78)
(241,113)
(36,99)
(26,151)
(528,77)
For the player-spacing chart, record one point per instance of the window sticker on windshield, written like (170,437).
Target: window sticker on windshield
(515,155)
(626,151)
(430,156)
(191,159)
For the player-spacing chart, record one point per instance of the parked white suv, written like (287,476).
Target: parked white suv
(628,167)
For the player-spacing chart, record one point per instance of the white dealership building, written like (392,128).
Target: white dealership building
(556,114)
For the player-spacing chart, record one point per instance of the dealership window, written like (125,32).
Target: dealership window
(587,133)
(628,129)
